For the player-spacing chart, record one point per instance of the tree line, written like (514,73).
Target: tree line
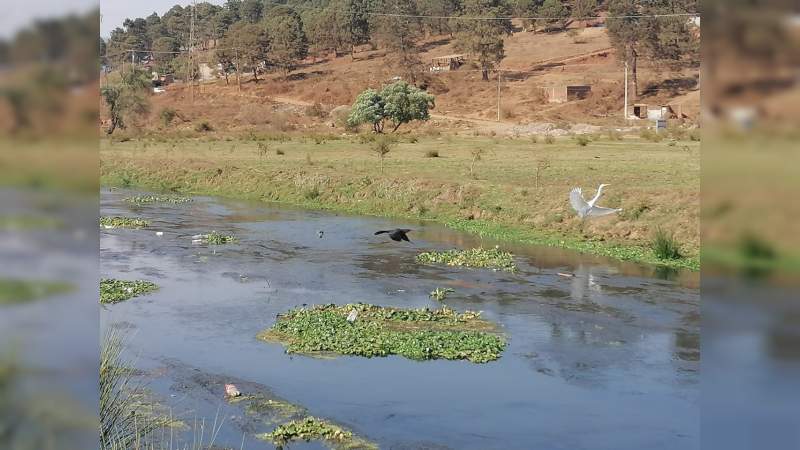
(254,35)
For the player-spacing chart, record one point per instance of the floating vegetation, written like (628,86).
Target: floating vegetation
(148,199)
(13,291)
(123,222)
(25,223)
(440,293)
(493,258)
(215,238)
(418,334)
(314,429)
(115,291)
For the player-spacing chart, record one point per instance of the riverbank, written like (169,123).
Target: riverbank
(478,184)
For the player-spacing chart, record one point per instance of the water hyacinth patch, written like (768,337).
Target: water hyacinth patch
(115,291)
(310,429)
(419,334)
(493,258)
(148,199)
(215,238)
(13,291)
(440,293)
(123,222)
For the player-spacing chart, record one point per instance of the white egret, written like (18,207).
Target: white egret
(589,209)
(352,316)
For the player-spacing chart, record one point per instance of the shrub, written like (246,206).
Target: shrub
(507,112)
(312,194)
(614,135)
(167,115)
(316,110)
(650,135)
(534,139)
(753,247)
(203,127)
(432,154)
(279,152)
(694,134)
(582,140)
(664,245)
(549,139)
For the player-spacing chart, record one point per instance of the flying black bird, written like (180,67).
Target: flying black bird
(398,234)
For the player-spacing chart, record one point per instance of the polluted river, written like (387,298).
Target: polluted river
(599,354)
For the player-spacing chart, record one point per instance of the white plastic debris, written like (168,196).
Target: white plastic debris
(232,391)
(159,233)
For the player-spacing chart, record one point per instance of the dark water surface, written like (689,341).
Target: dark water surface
(607,359)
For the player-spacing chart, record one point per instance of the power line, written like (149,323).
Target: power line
(630,16)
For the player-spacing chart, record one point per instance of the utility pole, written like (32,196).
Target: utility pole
(498,94)
(625,109)
(191,56)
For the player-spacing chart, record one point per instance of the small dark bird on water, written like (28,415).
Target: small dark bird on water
(320,233)
(398,234)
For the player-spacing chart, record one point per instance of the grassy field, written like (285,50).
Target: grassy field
(497,195)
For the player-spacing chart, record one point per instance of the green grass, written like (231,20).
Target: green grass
(345,177)
(115,291)
(123,222)
(418,334)
(314,429)
(493,258)
(14,291)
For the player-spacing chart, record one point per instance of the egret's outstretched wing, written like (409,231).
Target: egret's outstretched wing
(597,211)
(577,201)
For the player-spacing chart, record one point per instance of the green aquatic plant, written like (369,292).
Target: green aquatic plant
(314,429)
(115,291)
(440,293)
(493,258)
(664,245)
(148,199)
(123,222)
(369,330)
(26,223)
(215,238)
(13,291)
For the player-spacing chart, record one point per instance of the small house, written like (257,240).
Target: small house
(578,92)
(447,63)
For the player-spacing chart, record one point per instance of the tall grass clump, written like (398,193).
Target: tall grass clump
(432,154)
(582,140)
(120,425)
(664,245)
(549,139)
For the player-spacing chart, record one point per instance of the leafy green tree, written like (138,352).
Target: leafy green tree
(404,102)
(557,14)
(483,39)
(252,42)
(665,40)
(368,108)
(164,49)
(398,103)
(351,22)
(126,99)
(287,40)
(439,9)
(581,9)
(177,22)
(398,35)
(251,10)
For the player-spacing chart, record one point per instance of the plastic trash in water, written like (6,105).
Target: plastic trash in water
(159,233)
(232,391)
